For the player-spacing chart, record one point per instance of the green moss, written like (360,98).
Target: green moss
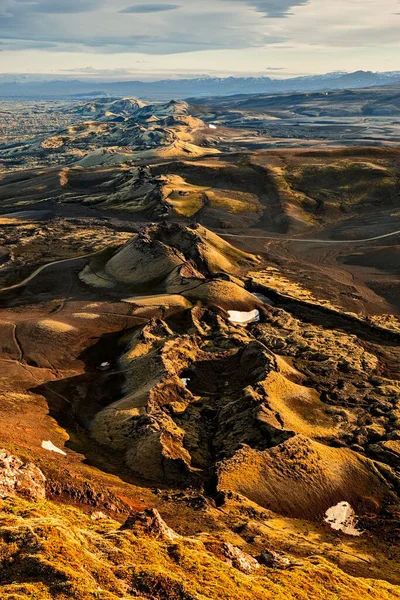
(186,206)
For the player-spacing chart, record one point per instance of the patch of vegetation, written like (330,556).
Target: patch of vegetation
(344,183)
(52,551)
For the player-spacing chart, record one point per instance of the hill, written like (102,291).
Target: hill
(375,101)
(120,131)
(280,191)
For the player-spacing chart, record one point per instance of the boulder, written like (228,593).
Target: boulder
(149,522)
(274,560)
(239,559)
(19,478)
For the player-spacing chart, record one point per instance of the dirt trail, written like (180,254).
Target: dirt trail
(309,240)
(229,235)
(46,266)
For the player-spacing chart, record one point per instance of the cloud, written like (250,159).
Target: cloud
(274,8)
(149,8)
(93,71)
(12,45)
(164,28)
(60,6)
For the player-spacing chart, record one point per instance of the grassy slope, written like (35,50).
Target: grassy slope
(52,551)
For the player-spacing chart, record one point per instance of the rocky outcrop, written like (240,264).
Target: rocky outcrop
(149,523)
(19,478)
(192,400)
(239,559)
(274,560)
(180,390)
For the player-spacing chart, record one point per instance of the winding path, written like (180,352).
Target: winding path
(311,240)
(230,235)
(46,266)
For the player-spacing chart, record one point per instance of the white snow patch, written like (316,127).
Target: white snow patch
(342,518)
(185,381)
(243,318)
(211,126)
(104,366)
(52,448)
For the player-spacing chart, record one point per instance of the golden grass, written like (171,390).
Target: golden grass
(85,315)
(234,202)
(188,205)
(299,407)
(271,278)
(301,478)
(222,256)
(224,294)
(11,221)
(52,551)
(166,300)
(185,199)
(56,326)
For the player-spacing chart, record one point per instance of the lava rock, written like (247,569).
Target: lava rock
(20,479)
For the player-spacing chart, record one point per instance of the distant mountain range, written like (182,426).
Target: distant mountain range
(182,88)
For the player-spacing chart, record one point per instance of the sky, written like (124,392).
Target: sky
(125,39)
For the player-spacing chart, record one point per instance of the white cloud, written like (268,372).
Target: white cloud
(149,29)
(293,34)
